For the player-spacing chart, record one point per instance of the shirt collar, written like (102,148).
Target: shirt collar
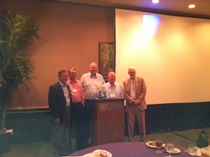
(134,80)
(70,81)
(62,85)
(111,85)
(92,76)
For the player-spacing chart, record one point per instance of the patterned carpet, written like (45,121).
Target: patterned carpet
(44,149)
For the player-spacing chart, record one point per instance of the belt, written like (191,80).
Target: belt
(89,99)
(76,103)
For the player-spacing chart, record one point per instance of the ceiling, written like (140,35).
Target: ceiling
(171,7)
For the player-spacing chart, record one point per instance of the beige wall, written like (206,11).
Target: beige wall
(69,37)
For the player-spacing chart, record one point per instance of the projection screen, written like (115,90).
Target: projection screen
(171,53)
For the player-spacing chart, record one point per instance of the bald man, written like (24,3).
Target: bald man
(112,89)
(91,83)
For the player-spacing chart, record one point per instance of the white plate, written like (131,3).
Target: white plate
(97,152)
(175,151)
(151,144)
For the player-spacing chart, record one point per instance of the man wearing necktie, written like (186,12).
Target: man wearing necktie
(134,90)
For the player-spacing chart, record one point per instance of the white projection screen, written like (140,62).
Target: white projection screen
(172,54)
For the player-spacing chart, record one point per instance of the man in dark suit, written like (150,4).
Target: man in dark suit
(134,90)
(59,100)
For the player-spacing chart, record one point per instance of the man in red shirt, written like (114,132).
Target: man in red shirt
(77,106)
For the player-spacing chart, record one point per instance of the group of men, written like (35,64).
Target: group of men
(71,99)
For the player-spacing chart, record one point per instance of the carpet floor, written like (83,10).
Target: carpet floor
(44,149)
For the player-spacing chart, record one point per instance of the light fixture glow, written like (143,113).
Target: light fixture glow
(155,1)
(141,35)
(149,27)
(191,6)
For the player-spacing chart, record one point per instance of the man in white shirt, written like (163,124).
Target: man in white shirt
(112,89)
(92,84)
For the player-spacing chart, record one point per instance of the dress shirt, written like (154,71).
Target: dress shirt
(77,92)
(66,93)
(112,90)
(92,85)
(133,89)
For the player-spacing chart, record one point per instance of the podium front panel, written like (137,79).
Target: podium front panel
(108,121)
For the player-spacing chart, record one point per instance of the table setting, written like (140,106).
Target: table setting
(198,152)
(170,148)
(135,149)
(161,147)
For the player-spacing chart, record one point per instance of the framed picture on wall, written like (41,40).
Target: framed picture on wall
(106,58)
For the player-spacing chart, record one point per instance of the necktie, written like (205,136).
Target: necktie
(133,89)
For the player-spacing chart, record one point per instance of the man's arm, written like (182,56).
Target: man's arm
(52,95)
(141,98)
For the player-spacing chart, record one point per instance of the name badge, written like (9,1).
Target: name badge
(112,95)
(74,90)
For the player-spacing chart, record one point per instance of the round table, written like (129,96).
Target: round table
(130,149)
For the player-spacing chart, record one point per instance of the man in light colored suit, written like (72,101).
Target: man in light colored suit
(134,90)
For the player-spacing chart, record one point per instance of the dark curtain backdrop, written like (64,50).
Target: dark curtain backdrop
(34,125)
(177,117)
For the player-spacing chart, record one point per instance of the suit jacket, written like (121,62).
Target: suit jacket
(140,92)
(57,101)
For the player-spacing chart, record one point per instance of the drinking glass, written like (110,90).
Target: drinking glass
(158,144)
(169,148)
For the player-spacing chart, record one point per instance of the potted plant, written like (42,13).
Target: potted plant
(16,33)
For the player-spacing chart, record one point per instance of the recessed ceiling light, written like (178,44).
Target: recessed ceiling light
(155,1)
(191,6)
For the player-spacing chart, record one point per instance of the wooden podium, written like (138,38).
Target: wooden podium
(108,123)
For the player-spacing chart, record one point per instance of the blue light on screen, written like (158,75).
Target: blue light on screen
(150,25)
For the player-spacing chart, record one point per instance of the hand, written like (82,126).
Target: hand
(136,102)
(57,120)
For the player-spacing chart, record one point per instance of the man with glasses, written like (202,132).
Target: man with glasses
(134,90)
